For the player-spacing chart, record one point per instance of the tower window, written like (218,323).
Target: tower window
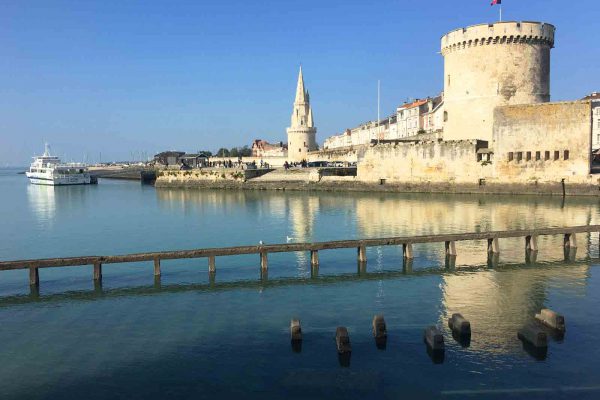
(546,155)
(299,150)
(448,80)
(556,155)
(566,155)
(538,156)
(445,116)
(528,156)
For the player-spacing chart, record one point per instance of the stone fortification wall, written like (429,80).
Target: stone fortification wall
(424,161)
(347,154)
(543,142)
(492,65)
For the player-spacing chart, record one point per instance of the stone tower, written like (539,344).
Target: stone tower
(492,65)
(302,132)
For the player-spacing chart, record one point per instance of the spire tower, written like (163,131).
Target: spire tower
(302,132)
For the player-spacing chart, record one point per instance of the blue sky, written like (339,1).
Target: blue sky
(116,77)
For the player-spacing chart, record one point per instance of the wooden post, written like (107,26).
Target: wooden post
(493,246)
(211,264)
(572,240)
(451,248)
(314,258)
(263,260)
(531,243)
(156,266)
(34,276)
(408,251)
(362,254)
(97,271)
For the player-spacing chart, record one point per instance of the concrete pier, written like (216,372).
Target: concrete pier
(533,335)
(434,339)
(493,246)
(211,264)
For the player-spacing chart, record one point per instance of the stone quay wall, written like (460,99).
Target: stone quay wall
(424,162)
(543,143)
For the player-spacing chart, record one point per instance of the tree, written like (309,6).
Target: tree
(205,152)
(223,152)
(234,152)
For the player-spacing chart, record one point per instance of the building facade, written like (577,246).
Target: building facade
(302,132)
(262,148)
(491,65)
(595,99)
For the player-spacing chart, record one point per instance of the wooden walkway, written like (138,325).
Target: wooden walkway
(493,238)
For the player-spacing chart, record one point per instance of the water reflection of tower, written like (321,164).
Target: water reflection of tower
(302,212)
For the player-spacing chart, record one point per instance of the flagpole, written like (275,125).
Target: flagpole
(500,12)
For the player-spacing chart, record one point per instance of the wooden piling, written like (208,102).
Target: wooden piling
(34,276)
(493,246)
(156,266)
(531,243)
(264,264)
(314,258)
(408,251)
(362,254)
(97,271)
(211,264)
(451,248)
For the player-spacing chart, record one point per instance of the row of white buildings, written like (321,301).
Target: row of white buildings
(410,119)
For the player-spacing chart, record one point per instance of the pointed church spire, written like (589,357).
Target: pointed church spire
(300,92)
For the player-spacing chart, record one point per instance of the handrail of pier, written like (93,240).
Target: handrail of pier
(289,247)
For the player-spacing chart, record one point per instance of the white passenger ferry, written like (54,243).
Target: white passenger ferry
(48,170)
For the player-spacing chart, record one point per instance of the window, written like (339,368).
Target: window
(528,156)
(448,80)
(519,155)
(445,116)
(556,155)
(546,155)
(599,122)
(299,150)
(538,156)
(566,155)
(511,156)
(479,157)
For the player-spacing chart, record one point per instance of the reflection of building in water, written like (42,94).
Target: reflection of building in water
(499,303)
(302,213)
(437,214)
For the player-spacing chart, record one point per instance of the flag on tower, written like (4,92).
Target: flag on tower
(494,2)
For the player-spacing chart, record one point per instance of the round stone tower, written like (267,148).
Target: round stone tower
(492,65)
(302,132)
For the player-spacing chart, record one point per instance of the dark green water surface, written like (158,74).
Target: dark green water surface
(190,336)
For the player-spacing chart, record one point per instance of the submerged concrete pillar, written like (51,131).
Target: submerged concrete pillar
(362,254)
(157,266)
(314,258)
(451,248)
(493,246)
(97,271)
(211,264)
(34,276)
(264,263)
(408,251)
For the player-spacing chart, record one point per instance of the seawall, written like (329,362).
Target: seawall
(350,184)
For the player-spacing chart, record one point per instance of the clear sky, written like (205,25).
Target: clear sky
(116,77)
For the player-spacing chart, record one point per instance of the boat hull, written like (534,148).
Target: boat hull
(80,179)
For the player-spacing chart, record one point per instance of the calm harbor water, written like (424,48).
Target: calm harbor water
(187,336)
